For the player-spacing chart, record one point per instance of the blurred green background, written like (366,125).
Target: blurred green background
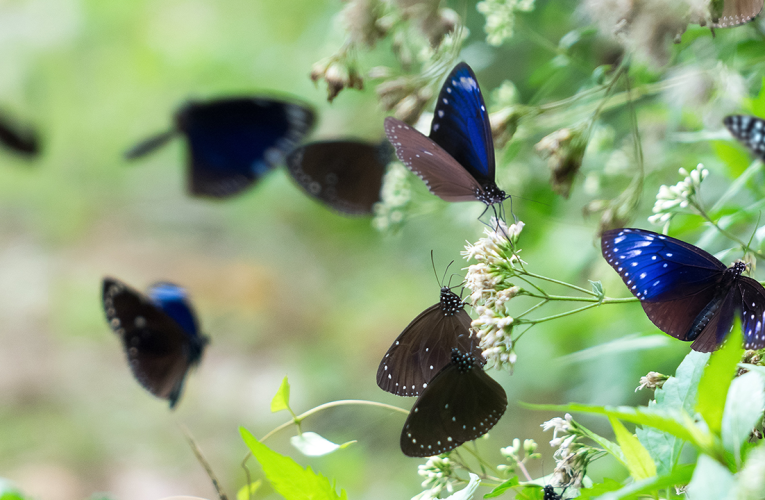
(282,285)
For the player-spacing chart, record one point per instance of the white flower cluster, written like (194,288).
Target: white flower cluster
(500,17)
(672,200)
(494,328)
(571,457)
(438,473)
(395,195)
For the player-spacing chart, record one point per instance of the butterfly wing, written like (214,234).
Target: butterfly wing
(18,140)
(749,130)
(233,142)
(749,298)
(737,12)
(345,175)
(456,407)
(423,349)
(444,177)
(461,124)
(159,352)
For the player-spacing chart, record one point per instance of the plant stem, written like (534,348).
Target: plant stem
(558,282)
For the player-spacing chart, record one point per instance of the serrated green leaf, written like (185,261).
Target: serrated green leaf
(651,486)
(718,375)
(468,491)
(711,480)
(743,410)
(281,400)
(639,461)
(248,490)
(314,445)
(499,490)
(677,393)
(287,477)
(733,156)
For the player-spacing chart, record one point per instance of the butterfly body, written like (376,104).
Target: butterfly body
(460,404)
(344,175)
(159,333)
(233,142)
(456,161)
(749,130)
(549,493)
(686,292)
(425,346)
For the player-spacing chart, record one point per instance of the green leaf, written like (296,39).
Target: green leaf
(313,445)
(468,491)
(247,491)
(743,410)
(714,384)
(499,490)
(599,489)
(677,393)
(287,477)
(281,400)
(639,461)
(612,448)
(651,486)
(597,289)
(711,481)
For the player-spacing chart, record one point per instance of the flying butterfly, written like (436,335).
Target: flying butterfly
(233,142)
(460,404)
(735,12)
(425,346)
(20,140)
(749,130)
(686,292)
(344,175)
(457,160)
(159,332)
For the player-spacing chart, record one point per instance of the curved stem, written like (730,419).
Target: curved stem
(563,283)
(725,233)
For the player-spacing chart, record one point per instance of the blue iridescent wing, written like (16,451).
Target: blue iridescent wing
(159,351)
(233,142)
(749,296)
(749,130)
(461,124)
(173,300)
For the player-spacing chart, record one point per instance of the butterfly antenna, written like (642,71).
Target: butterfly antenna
(433,263)
(445,271)
(203,462)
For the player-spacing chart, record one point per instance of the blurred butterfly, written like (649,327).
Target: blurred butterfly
(159,332)
(685,291)
(549,493)
(344,175)
(460,404)
(457,160)
(749,130)
(425,347)
(17,139)
(233,142)
(730,13)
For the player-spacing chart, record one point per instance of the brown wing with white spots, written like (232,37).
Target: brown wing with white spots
(737,12)
(444,177)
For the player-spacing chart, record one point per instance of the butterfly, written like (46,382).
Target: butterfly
(685,291)
(345,175)
(457,160)
(425,346)
(735,12)
(233,142)
(550,494)
(159,332)
(749,130)
(17,139)
(460,404)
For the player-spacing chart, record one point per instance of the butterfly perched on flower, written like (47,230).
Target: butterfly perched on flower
(749,130)
(159,332)
(461,403)
(18,139)
(233,142)
(456,160)
(344,175)
(685,291)
(425,346)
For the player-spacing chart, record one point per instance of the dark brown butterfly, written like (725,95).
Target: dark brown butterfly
(20,140)
(159,332)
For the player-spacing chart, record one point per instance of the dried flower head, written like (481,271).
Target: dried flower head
(338,74)
(500,17)
(652,380)
(395,196)
(564,150)
(361,21)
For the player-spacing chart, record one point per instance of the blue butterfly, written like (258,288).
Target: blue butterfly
(159,332)
(749,130)
(685,291)
(457,160)
(233,142)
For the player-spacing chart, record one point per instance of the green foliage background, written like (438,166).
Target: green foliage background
(282,285)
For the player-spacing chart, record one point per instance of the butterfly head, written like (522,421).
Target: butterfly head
(737,269)
(451,303)
(464,361)
(491,194)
